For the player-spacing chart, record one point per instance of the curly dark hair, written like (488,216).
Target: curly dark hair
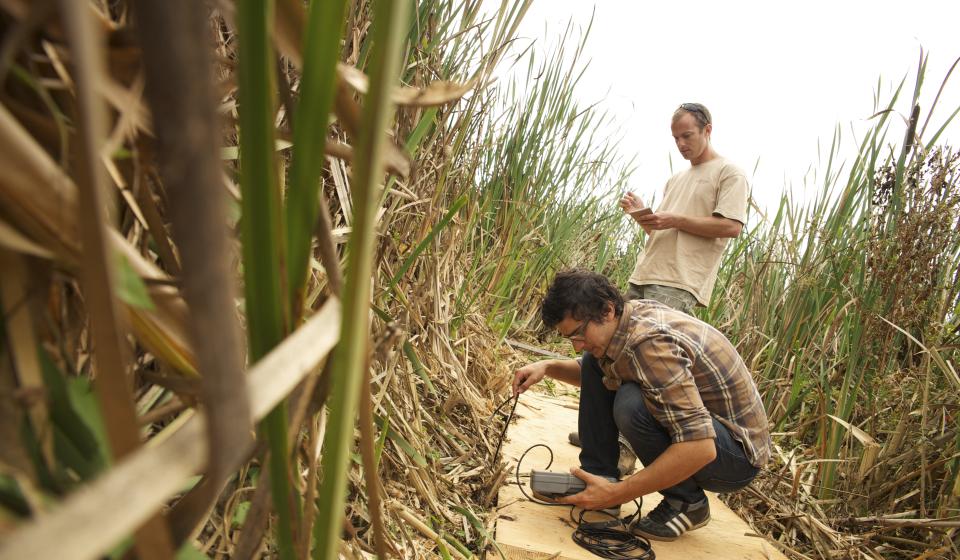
(581,293)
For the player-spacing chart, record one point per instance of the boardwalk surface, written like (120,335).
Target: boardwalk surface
(526,530)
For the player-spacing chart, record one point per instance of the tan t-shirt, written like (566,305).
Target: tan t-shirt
(683,260)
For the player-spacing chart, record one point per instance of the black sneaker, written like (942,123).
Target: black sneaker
(666,523)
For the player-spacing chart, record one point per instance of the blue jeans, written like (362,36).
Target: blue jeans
(603,412)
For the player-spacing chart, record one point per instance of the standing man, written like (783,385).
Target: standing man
(671,384)
(702,207)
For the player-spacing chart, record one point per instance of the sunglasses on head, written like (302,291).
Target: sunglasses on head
(695,108)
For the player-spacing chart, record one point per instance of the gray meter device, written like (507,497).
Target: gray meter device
(556,485)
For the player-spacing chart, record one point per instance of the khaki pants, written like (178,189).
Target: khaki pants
(681,300)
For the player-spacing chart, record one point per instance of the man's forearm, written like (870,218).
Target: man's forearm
(567,371)
(679,462)
(709,226)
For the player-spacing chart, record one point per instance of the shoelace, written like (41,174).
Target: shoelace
(663,512)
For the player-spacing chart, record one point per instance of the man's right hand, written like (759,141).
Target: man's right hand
(630,202)
(528,376)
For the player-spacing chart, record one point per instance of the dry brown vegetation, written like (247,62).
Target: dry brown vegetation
(428,390)
(164,291)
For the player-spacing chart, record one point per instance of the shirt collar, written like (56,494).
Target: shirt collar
(619,339)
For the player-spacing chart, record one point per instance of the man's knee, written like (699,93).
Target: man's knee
(630,411)
(726,482)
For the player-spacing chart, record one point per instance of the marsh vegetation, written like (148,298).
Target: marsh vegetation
(228,233)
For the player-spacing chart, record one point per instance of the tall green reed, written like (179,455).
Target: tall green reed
(545,190)
(263,238)
(807,294)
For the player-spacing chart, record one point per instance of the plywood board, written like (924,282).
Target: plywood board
(527,531)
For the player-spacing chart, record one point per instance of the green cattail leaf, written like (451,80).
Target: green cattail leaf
(261,228)
(130,287)
(408,262)
(426,122)
(310,128)
(479,527)
(418,368)
(399,440)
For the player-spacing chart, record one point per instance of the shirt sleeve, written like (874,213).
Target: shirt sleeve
(666,189)
(732,194)
(669,389)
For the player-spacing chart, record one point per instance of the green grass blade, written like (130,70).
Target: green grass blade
(418,368)
(260,225)
(408,262)
(479,527)
(401,442)
(389,24)
(317,87)
(262,236)
(426,123)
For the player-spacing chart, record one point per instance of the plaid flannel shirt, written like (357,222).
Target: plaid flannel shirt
(689,373)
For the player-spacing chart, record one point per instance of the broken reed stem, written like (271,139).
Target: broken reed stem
(15,304)
(179,90)
(309,508)
(252,531)
(173,407)
(925,406)
(155,223)
(367,442)
(422,527)
(502,474)
(925,523)
(113,388)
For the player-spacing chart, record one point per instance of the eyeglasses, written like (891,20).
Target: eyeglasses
(577,335)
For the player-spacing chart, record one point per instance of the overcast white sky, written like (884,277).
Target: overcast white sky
(776,76)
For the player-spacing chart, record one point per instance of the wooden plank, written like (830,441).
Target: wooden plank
(528,531)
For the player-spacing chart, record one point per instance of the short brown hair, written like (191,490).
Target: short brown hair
(698,110)
(583,294)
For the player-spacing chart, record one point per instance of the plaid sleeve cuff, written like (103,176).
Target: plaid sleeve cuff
(699,426)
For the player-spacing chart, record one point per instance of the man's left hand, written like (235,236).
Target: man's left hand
(660,220)
(599,494)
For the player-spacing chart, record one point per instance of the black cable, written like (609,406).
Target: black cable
(506,424)
(613,543)
(605,542)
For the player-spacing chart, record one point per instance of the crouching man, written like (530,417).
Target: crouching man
(674,387)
